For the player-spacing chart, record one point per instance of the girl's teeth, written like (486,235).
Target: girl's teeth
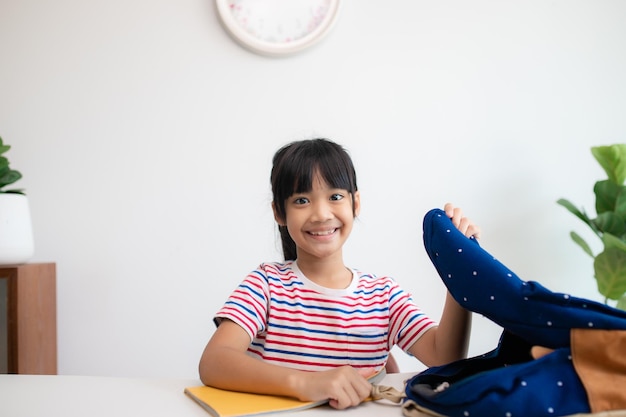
(326,233)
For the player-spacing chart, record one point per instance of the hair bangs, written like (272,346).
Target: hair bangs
(322,158)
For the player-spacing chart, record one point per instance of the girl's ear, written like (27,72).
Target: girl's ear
(279,220)
(356,203)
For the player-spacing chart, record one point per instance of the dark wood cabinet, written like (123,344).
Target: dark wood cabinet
(28,329)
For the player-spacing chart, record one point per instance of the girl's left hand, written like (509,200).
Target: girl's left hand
(465,225)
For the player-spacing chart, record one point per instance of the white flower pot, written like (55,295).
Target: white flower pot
(16,231)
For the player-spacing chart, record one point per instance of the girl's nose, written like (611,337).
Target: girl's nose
(322,211)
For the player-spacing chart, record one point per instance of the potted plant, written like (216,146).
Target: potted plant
(16,235)
(609,224)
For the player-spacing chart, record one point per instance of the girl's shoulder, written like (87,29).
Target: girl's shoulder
(372,277)
(369,279)
(275,271)
(276,268)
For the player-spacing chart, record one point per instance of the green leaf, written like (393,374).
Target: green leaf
(620,204)
(574,210)
(13,191)
(3,147)
(7,175)
(621,303)
(606,193)
(609,222)
(9,178)
(611,241)
(610,272)
(612,158)
(581,242)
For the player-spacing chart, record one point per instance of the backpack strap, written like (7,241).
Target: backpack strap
(382,392)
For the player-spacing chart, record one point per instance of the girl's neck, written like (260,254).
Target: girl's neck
(329,273)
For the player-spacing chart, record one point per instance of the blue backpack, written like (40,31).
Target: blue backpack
(583,373)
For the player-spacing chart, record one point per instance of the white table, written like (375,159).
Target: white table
(87,396)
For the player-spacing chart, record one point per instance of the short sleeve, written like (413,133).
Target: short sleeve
(248,304)
(407,321)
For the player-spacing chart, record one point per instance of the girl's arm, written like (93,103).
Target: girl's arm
(225,364)
(448,341)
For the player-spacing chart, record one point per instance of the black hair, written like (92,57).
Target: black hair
(294,167)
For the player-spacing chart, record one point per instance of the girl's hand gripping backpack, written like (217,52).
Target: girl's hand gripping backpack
(584,372)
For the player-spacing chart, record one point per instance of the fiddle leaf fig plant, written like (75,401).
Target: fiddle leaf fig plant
(609,224)
(7,175)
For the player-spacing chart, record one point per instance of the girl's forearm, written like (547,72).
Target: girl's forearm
(226,368)
(452,336)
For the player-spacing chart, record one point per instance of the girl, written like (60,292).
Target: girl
(310,327)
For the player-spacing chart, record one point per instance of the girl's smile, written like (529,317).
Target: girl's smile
(323,233)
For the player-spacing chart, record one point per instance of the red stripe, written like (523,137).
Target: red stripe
(326,325)
(346,317)
(240,319)
(307,295)
(344,348)
(318,365)
(257,307)
(320,339)
(412,333)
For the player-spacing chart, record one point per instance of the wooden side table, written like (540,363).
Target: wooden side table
(28,329)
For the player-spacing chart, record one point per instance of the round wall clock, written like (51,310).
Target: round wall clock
(277,27)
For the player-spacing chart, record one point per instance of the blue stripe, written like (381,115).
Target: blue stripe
(283,283)
(259,274)
(303,306)
(276,279)
(242,306)
(311,355)
(251,314)
(283,267)
(375,290)
(411,320)
(334,333)
(252,290)
(396,294)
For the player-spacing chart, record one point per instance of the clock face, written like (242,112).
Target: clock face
(277,27)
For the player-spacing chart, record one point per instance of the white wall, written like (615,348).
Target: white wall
(145,136)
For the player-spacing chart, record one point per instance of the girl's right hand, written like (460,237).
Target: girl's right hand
(344,386)
(465,225)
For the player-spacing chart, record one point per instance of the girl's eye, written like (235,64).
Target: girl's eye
(301,200)
(336,197)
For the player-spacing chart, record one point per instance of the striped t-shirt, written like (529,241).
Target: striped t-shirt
(296,323)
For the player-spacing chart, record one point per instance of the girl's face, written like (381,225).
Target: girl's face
(320,221)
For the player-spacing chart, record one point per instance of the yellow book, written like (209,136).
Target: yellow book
(224,403)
